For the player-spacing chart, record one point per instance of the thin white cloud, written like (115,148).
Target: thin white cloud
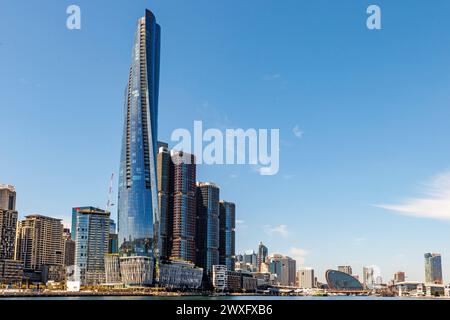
(299,255)
(297,132)
(280,230)
(272,76)
(240,225)
(434,204)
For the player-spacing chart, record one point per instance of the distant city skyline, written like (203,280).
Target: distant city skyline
(363,116)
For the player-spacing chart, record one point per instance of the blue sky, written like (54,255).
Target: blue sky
(367,182)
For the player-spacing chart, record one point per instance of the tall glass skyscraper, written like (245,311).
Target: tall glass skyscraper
(207,228)
(138,202)
(227,236)
(433,268)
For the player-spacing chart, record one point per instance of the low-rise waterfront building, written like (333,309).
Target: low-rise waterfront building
(219,277)
(112,269)
(179,274)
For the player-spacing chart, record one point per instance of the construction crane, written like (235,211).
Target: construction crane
(109,204)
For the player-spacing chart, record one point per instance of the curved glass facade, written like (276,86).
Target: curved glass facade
(138,203)
(338,280)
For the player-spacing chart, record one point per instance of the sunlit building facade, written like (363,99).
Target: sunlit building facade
(138,218)
(91,244)
(183,175)
(227,236)
(433,268)
(207,228)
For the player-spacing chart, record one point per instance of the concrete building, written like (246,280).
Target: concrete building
(11,271)
(399,277)
(39,243)
(219,277)
(69,248)
(305,278)
(7,197)
(263,252)
(8,224)
(284,267)
(92,230)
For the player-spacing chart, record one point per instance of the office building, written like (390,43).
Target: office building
(399,277)
(165,187)
(207,228)
(305,278)
(227,236)
(179,274)
(138,218)
(73,229)
(112,226)
(284,267)
(91,246)
(251,260)
(8,223)
(345,269)
(263,252)
(69,248)
(433,268)
(113,238)
(40,247)
(10,269)
(219,277)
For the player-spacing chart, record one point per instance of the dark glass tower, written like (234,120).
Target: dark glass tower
(227,222)
(207,228)
(138,202)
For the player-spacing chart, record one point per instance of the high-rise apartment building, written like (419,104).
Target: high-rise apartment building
(138,222)
(69,248)
(433,268)
(345,269)
(263,252)
(399,277)
(91,246)
(284,267)
(8,223)
(165,186)
(7,197)
(207,228)
(39,242)
(10,269)
(184,214)
(227,236)
(305,278)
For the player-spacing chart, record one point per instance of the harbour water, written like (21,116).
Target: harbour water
(336,298)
